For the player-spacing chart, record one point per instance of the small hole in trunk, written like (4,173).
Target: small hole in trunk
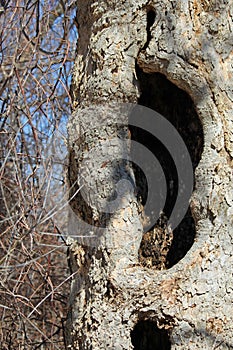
(147,336)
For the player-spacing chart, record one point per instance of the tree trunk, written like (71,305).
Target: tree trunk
(144,281)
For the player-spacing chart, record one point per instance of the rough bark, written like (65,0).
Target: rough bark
(113,295)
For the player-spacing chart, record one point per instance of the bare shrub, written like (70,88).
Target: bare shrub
(37,48)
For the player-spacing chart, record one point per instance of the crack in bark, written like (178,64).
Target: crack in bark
(150,21)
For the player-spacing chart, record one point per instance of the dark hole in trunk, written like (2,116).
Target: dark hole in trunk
(147,336)
(159,94)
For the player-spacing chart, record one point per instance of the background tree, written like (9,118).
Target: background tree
(174,57)
(37,48)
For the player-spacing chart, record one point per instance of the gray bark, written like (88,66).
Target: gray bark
(190,43)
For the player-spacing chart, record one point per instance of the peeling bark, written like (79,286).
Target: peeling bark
(116,303)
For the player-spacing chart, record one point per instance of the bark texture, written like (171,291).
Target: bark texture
(116,303)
